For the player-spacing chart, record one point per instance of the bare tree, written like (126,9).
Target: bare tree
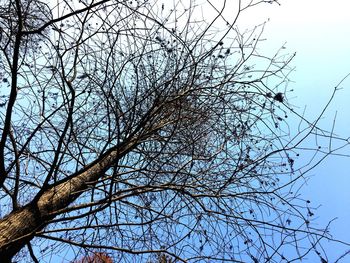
(144,129)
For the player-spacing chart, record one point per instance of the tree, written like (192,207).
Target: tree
(143,129)
(96,258)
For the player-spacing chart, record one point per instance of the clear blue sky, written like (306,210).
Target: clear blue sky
(319,32)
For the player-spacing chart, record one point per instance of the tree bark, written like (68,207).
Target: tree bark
(20,226)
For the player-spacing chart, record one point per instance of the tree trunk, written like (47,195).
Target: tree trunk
(20,226)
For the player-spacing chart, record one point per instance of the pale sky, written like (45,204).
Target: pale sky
(319,32)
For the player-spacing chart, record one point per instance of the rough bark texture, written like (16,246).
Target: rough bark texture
(20,226)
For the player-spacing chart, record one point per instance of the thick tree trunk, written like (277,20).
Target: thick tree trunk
(19,227)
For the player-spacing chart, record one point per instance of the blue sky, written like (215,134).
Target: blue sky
(319,32)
